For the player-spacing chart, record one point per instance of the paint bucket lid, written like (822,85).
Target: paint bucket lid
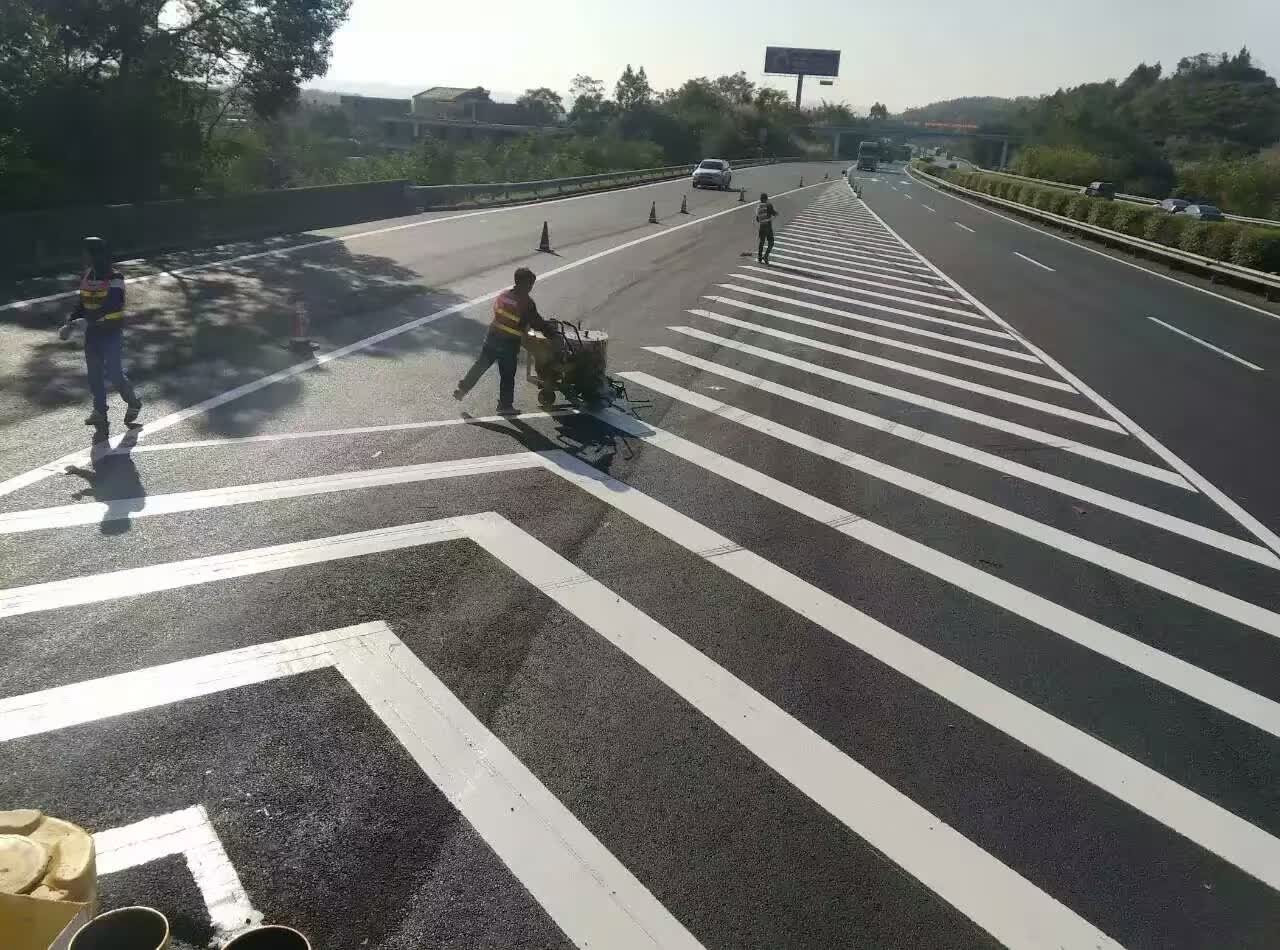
(270,937)
(125,928)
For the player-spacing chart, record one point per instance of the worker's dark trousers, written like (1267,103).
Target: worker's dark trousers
(766,237)
(102,361)
(504,350)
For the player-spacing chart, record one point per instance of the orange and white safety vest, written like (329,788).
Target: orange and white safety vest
(507,311)
(102,299)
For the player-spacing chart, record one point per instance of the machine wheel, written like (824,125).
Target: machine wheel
(546,398)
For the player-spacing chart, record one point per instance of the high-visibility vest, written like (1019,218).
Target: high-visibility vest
(506,314)
(762,213)
(94,293)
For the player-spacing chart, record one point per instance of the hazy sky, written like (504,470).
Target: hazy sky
(904,52)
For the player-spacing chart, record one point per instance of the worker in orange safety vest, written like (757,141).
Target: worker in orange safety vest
(514,312)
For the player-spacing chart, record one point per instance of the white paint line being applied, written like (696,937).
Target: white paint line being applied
(960,412)
(590,895)
(991,392)
(883,308)
(1032,260)
(897,344)
(1190,475)
(587,891)
(18,482)
(998,463)
(788,274)
(1207,345)
(191,834)
(1196,818)
(863,318)
(1142,572)
(964,227)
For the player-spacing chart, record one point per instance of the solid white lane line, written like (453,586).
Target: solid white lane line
(1032,260)
(588,892)
(803,259)
(1151,516)
(1224,501)
(1178,808)
(1207,345)
(927,208)
(805,249)
(1167,582)
(863,318)
(65,516)
(901,345)
(964,226)
(813,270)
(946,408)
(990,392)
(18,482)
(817,282)
(335,433)
(794,289)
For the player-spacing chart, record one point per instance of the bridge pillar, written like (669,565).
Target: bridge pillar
(835,147)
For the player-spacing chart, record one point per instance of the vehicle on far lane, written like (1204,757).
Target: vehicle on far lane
(1173,205)
(1204,213)
(712,173)
(1099,189)
(868,156)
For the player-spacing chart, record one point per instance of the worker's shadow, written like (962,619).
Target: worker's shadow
(580,434)
(113,479)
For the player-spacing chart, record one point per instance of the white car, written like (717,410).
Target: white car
(712,173)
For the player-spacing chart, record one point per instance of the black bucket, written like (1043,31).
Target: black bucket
(271,937)
(126,928)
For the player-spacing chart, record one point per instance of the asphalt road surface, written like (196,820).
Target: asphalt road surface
(922,593)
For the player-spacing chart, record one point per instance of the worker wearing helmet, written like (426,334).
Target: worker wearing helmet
(514,313)
(101,309)
(765,213)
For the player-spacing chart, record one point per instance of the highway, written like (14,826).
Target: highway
(927,599)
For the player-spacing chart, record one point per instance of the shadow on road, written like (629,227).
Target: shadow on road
(112,478)
(193,337)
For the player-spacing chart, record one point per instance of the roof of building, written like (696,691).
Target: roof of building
(450,93)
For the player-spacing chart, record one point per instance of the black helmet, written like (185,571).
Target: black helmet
(96,248)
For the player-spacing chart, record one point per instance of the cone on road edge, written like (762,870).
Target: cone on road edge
(300,332)
(653,212)
(742,195)
(544,244)
(684,204)
(802,181)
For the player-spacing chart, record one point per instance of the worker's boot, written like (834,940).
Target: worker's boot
(508,410)
(96,419)
(131,416)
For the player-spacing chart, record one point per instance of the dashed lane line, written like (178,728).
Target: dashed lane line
(964,227)
(1207,345)
(1032,260)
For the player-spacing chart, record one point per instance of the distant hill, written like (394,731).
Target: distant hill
(979,110)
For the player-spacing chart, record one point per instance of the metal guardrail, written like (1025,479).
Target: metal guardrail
(1261,278)
(450,196)
(1136,199)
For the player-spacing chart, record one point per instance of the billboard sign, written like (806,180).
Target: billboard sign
(789,61)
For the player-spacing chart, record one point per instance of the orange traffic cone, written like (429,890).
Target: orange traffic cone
(742,195)
(802,181)
(300,332)
(684,204)
(653,212)
(544,244)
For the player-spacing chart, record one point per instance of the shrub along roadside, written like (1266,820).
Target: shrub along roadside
(1229,241)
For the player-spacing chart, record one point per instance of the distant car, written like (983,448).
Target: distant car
(1099,189)
(712,173)
(1173,205)
(1204,212)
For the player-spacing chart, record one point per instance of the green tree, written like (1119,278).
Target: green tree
(879,112)
(632,90)
(737,88)
(543,106)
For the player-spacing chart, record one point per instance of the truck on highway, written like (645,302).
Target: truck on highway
(868,156)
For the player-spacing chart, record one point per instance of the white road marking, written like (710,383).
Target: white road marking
(814,270)
(18,482)
(946,408)
(887,249)
(190,833)
(897,344)
(964,226)
(908,196)
(1192,477)
(1212,827)
(590,895)
(1207,345)
(65,516)
(820,253)
(850,253)
(1151,516)
(927,208)
(587,891)
(863,318)
(1031,260)
(941,308)
(792,288)
(336,433)
(804,259)
(835,226)
(1167,582)
(1100,253)
(955,382)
